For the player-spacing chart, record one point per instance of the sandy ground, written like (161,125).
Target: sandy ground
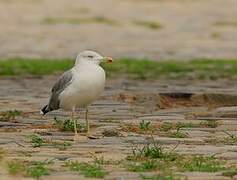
(62,28)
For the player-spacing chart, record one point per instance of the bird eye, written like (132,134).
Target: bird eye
(90,56)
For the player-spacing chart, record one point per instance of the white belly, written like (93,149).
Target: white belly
(87,84)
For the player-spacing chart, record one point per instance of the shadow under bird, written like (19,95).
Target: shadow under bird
(79,86)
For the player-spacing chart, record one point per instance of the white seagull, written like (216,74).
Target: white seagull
(79,86)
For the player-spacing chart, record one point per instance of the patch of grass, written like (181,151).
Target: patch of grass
(19,66)
(37,169)
(36,140)
(66,125)
(159,177)
(88,170)
(62,146)
(141,128)
(151,151)
(16,167)
(153,158)
(230,172)
(194,69)
(149,24)
(78,21)
(178,134)
(186,125)
(102,161)
(202,164)
(132,68)
(166,126)
(142,166)
(34,169)
(231,138)
(144,126)
(10,115)
(209,124)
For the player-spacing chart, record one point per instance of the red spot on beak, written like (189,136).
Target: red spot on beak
(109,59)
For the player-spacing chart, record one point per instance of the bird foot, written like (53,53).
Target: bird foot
(78,138)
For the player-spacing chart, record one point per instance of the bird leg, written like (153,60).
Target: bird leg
(87,123)
(77,137)
(88,126)
(75,123)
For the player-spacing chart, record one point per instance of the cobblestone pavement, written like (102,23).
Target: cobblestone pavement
(124,102)
(156,29)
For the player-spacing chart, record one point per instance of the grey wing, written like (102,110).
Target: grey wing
(58,87)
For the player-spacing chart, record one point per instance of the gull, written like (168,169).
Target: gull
(79,86)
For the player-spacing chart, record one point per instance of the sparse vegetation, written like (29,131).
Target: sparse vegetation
(209,124)
(61,145)
(78,21)
(10,115)
(144,126)
(16,167)
(230,172)
(34,169)
(88,170)
(142,166)
(166,126)
(202,164)
(153,157)
(36,140)
(66,125)
(37,169)
(152,151)
(149,24)
(159,177)
(231,137)
(102,161)
(178,134)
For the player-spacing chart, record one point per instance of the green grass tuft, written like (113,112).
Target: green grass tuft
(15,167)
(62,146)
(88,170)
(36,140)
(37,169)
(10,115)
(230,172)
(145,125)
(178,134)
(151,151)
(202,164)
(34,169)
(142,166)
(209,123)
(66,125)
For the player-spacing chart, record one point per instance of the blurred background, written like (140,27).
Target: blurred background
(154,29)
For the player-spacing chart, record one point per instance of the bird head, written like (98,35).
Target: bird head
(92,57)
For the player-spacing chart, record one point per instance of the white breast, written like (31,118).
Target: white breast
(87,84)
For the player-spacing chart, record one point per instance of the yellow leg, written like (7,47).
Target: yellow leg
(75,122)
(87,123)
